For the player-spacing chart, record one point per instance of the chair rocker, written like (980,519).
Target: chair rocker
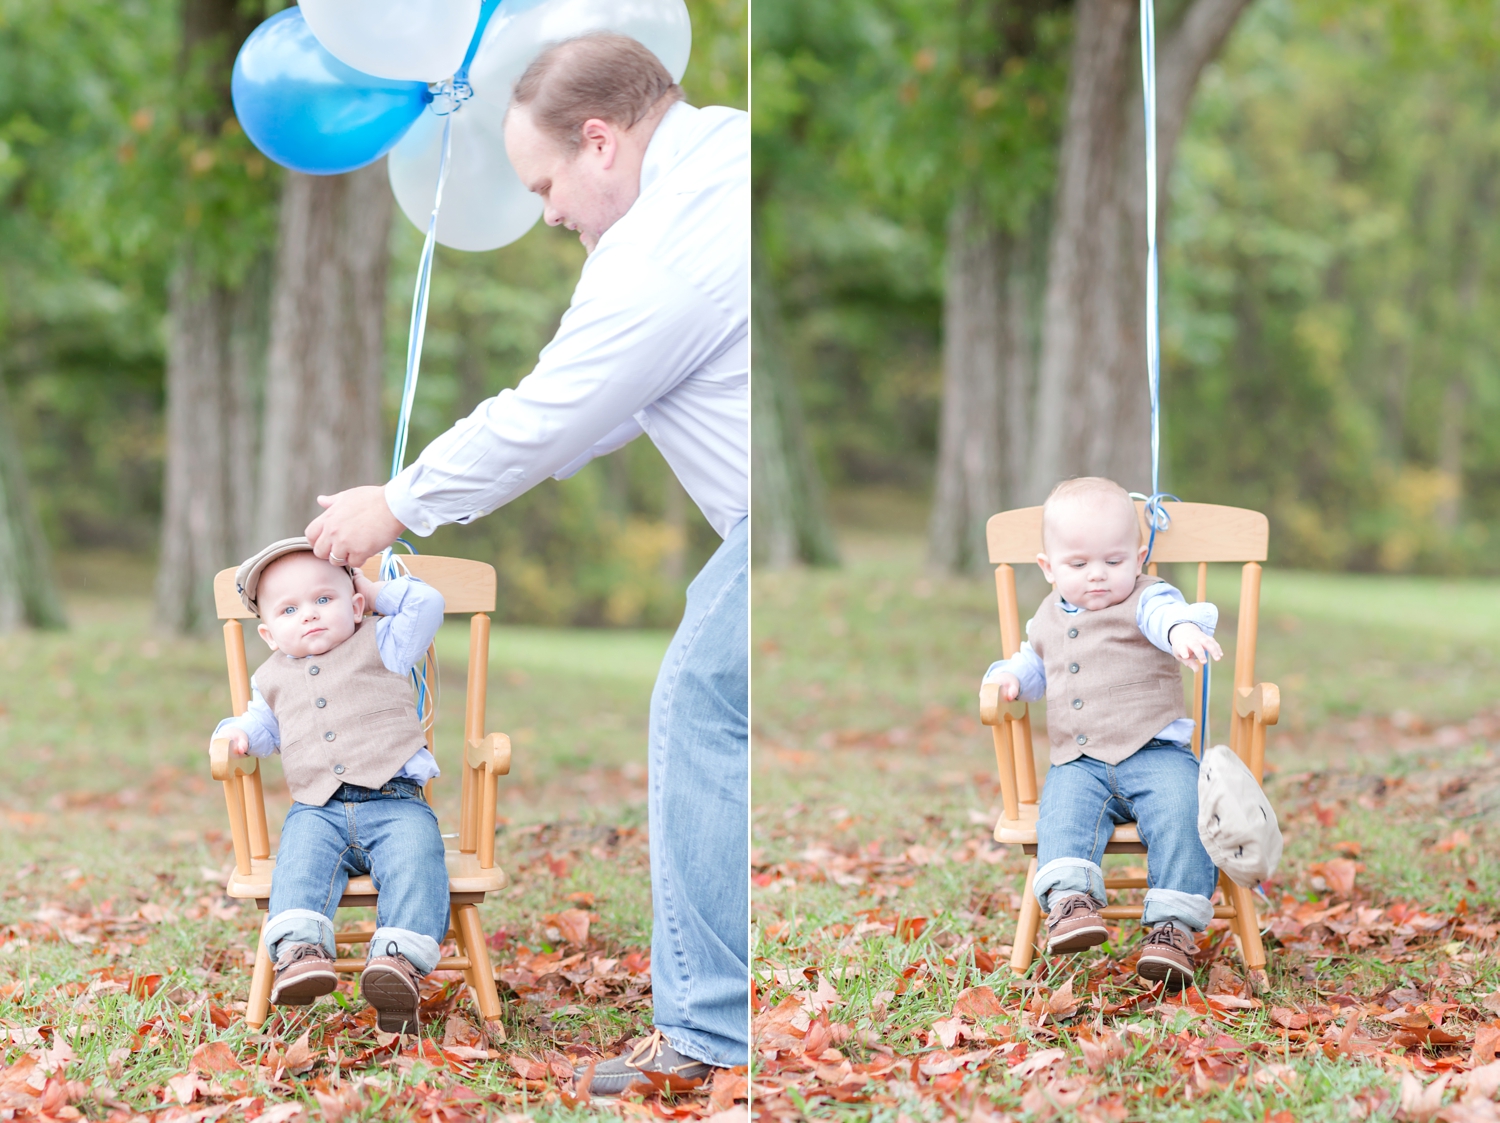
(1200,533)
(467,587)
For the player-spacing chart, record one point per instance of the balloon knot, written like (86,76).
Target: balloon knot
(446,96)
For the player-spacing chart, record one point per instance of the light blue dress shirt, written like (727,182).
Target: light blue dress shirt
(408,614)
(1161,608)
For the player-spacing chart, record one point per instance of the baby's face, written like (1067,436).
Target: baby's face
(1093,551)
(307,606)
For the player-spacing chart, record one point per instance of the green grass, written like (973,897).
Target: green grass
(108,815)
(875,795)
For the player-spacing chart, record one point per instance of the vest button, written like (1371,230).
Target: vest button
(1078,703)
(321,702)
(338,769)
(1082,740)
(1072,633)
(328,736)
(312,670)
(1073,668)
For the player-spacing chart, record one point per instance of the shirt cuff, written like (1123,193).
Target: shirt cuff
(404,505)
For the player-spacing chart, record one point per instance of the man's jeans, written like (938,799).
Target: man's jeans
(700,817)
(1155,787)
(389,833)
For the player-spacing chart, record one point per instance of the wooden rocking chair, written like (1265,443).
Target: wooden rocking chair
(467,586)
(1200,533)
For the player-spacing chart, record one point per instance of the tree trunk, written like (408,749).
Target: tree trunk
(789,522)
(989,367)
(1093,405)
(323,428)
(27,592)
(211,361)
(211,425)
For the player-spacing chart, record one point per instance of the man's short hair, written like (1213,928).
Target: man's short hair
(604,75)
(1095,488)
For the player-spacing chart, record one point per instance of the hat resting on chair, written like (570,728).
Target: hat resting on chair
(1236,821)
(247,577)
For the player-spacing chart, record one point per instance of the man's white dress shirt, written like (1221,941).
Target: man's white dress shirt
(656,340)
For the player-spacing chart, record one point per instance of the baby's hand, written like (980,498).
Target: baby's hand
(370,589)
(1010,685)
(239,741)
(1192,647)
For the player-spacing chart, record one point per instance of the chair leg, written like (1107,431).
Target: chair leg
(481,976)
(258,1008)
(1027,925)
(1246,929)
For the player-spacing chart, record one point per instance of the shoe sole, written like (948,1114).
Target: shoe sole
(615,1084)
(1079,939)
(1156,969)
(396,1003)
(305,989)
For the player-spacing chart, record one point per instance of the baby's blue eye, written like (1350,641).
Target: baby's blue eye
(289,610)
(322,600)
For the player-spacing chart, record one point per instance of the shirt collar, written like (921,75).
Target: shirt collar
(666,144)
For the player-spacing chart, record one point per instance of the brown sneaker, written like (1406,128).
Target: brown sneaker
(1167,954)
(389,983)
(304,972)
(1074,923)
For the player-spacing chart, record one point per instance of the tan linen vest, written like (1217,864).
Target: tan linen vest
(1109,688)
(345,718)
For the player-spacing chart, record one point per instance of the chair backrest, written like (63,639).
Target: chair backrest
(467,587)
(1198,533)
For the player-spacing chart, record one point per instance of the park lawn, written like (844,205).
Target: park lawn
(118,950)
(884,913)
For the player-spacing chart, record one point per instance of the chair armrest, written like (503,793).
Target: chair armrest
(224,762)
(1261,701)
(493,750)
(993,710)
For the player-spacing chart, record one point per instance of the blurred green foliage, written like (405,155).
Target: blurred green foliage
(1330,255)
(101,177)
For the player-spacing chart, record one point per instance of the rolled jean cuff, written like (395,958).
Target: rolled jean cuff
(1189,909)
(299,926)
(1069,875)
(421,951)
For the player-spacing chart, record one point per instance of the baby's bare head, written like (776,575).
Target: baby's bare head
(1089,507)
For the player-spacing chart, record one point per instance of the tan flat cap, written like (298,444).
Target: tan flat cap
(1236,822)
(247,577)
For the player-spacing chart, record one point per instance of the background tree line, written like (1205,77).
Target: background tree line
(194,343)
(951,217)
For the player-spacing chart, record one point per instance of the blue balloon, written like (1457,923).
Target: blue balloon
(308,111)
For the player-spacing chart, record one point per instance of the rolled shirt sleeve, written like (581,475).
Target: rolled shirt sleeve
(410,612)
(1027,666)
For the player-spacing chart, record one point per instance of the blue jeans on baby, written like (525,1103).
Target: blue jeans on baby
(389,833)
(699,807)
(1156,787)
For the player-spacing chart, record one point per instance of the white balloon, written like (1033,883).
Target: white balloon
(409,40)
(520,30)
(484,205)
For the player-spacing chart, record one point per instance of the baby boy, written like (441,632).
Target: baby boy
(1104,651)
(335,700)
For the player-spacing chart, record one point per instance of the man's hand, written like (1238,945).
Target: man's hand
(1192,647)
(1010,685)
(238,739)
(356,526)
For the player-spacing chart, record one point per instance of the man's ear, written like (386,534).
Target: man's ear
(1046,567)
(359,606)
(599,137)
(265,634)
